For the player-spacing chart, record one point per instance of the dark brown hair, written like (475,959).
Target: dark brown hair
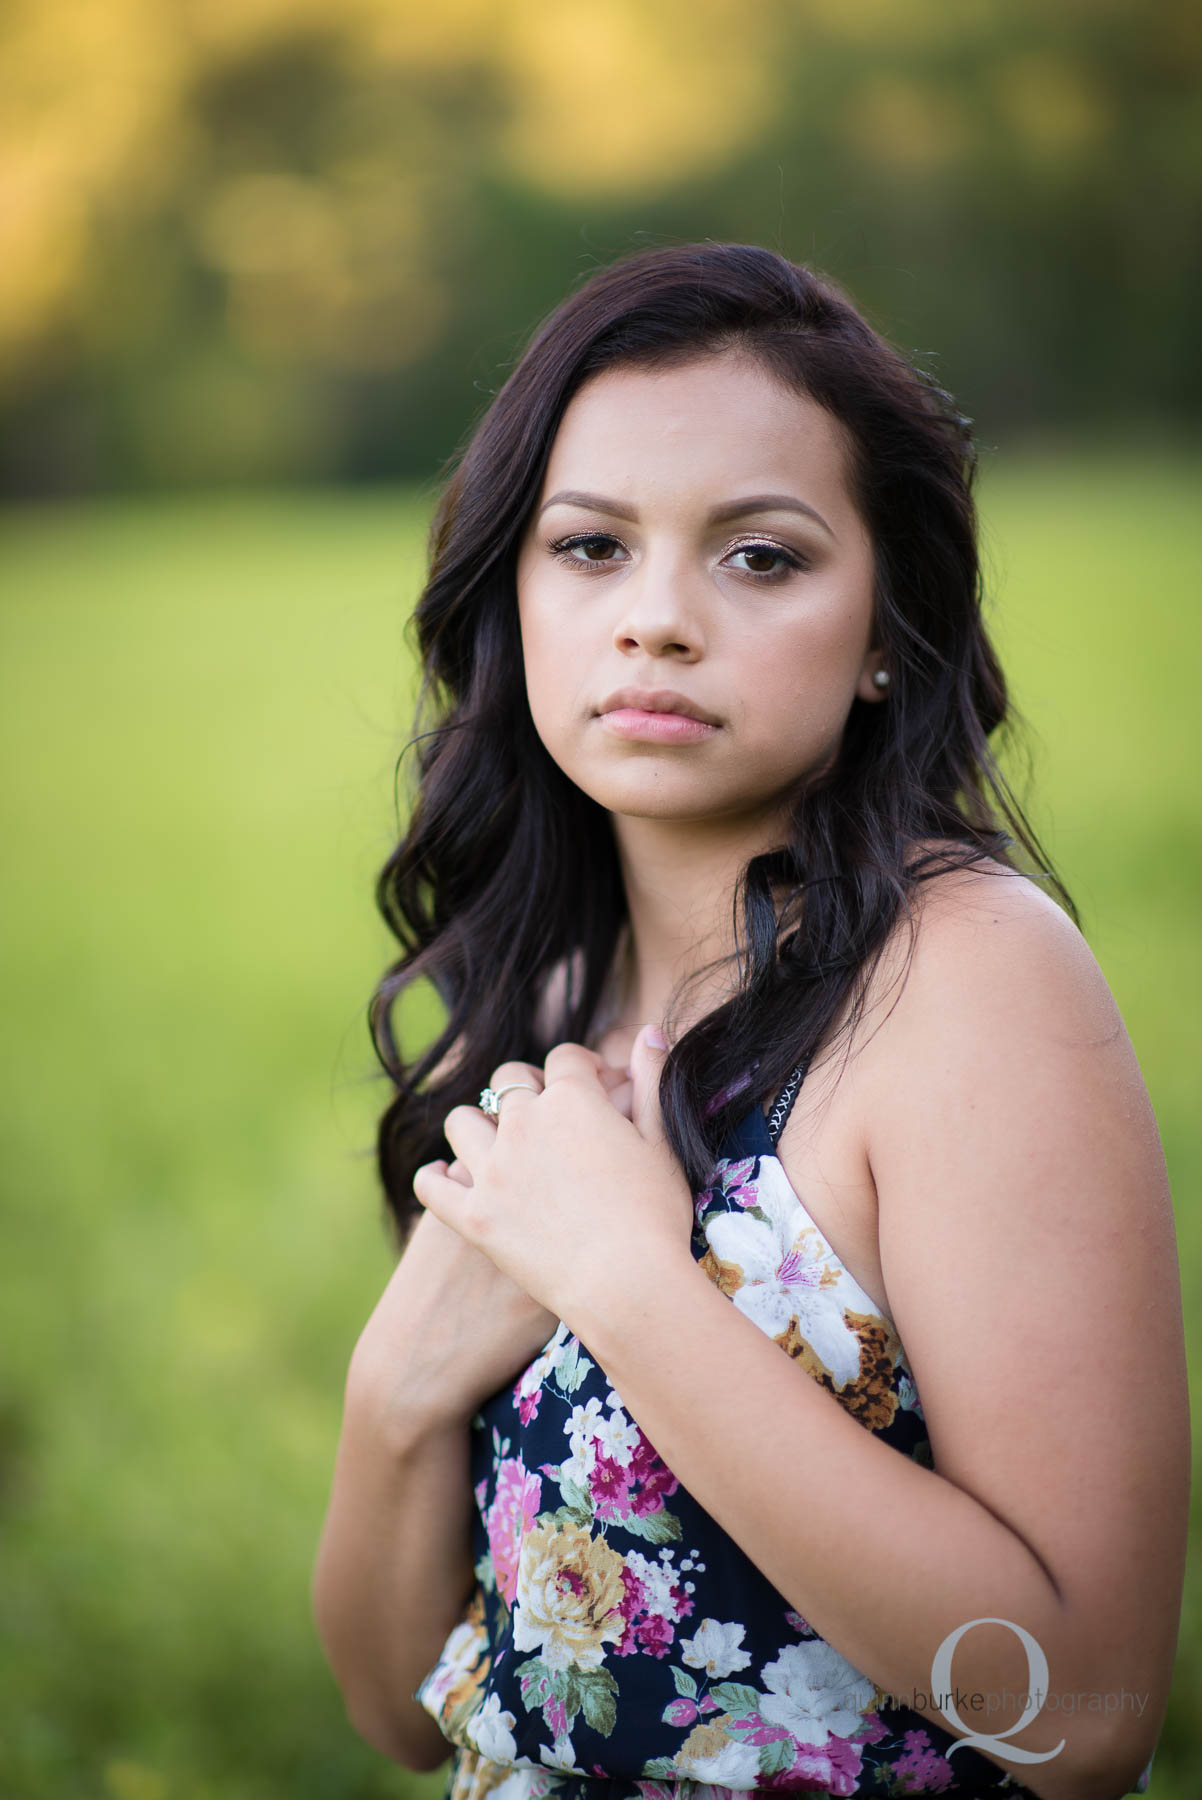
(507,869)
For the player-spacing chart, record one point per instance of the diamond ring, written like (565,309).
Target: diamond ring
(490,1098)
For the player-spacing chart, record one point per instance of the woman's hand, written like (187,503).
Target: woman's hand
(565,1188)
(449,1330)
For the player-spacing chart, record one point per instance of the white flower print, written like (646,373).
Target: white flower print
(815,1693)
(735,1765)
(560,1757)
(907,1394)
(715,1648)
(533,1377)
(616,1437)
(517,1786)
(659,1578)
(582,1428)
(787,1273)
(491,1731)
(459,1656)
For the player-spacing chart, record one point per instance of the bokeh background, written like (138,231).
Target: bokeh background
(264,264)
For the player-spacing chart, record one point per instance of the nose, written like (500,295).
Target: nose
(659,612)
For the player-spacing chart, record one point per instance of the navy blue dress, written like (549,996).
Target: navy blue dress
(619,1644)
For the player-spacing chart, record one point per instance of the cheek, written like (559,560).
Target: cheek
(816,662)
(553,660)
(795,700)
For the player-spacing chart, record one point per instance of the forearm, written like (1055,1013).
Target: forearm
(883,1557)
(393,1571)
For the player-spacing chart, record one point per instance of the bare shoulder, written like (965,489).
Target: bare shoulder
(990,1019)
(988,953)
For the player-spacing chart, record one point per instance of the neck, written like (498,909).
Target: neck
(680,880)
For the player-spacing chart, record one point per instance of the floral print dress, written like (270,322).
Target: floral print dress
(619,1645)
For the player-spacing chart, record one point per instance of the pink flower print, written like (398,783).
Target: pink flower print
(737,1185)
(555,1713)
(681,1600)
(765,1734)
(528,1389)
(651,1481)
(932,1773)
(655,1634)
(634,1601)
(872,1730)
(681,1712)
(831,1768)
(510,1516)
(527,1403)
(651,1606)
(609,1487)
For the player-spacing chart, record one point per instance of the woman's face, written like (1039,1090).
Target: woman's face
(761,623)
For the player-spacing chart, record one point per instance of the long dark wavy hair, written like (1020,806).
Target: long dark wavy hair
(508,871)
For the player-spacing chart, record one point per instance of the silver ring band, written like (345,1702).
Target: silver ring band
(490,1098)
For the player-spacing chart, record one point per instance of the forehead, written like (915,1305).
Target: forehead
(708,426)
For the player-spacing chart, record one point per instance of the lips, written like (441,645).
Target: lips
(656,700)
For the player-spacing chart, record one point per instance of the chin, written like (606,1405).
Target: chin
(655,795)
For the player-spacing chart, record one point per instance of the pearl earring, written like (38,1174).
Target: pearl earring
(881,679)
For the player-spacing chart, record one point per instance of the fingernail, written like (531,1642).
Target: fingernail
(655,1037)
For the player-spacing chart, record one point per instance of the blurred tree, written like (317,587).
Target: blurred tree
(254,239)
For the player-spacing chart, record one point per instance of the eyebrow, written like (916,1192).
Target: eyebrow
(729,509)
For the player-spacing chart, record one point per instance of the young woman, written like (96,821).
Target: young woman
(782,1386)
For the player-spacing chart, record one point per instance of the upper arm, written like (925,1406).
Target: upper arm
(1028,1250)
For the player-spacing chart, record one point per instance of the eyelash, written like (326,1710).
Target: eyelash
(559,548)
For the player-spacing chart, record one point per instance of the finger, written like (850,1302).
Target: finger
(647,1059)
(567,1061)
(460,1172)
(471,1135)
(517,1071)
(622,1095)
(524,1082)
(445,1197)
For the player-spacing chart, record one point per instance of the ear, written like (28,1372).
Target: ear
(868,687)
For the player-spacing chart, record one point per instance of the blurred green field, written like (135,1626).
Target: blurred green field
(201,706)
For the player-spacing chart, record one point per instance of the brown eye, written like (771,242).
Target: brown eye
(773,553)
(562,549)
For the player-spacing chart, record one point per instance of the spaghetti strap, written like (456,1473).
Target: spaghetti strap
(783,1103)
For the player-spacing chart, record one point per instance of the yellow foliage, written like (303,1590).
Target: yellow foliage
(265,222)
(915,128)
(618,97)
(1052,105)
(326,268)
(90,96)
(100,124)
(43,238)
(443,36)
(895,24)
